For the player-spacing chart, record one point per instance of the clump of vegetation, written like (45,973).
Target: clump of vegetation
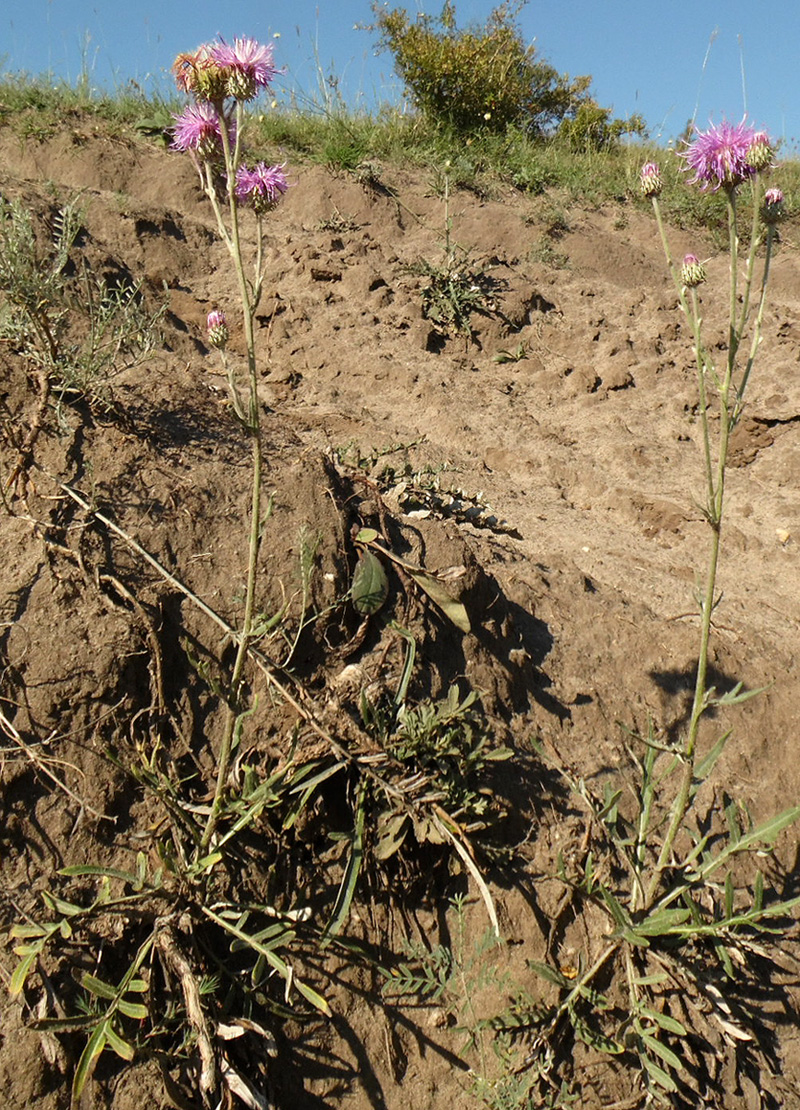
(477,79)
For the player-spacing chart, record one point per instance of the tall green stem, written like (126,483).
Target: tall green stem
(254,428)
(730,402)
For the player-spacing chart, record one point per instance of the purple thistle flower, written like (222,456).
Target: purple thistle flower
(772,208)
(693,272)
(198,128)
(650,179)
(719,156)
(249,63)
(262,187)
(761,149)
(217,327)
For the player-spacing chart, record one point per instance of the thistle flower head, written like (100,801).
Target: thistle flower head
(693,272)
(248,66)
(217,327)
(761,150)
(199,128)
(262,187)
(200,74)
(650,179)
(719,156)
(772,208)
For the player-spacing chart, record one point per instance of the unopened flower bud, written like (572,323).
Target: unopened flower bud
(772,208)
(217,329)
(651,179)
(693,272)
(759,153)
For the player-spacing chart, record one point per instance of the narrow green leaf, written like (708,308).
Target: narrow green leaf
(84,869)
(347,888)
(133,1010)
(21,972)
(670,1024)
(122,1048)
(89,1056)
(729,893)
(659,1075)
(97,986)
(758,892)
(732,821)
(704,768)
(661,1050)
(137,986)
(616,910)
(452,609)
(370,586)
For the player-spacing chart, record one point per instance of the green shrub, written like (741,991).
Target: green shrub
(591,128)
(480,78)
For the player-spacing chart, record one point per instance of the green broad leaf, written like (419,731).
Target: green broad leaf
(661,1050)
(651,981)
(661,922)
(634,938)
(20,931)
(133,1010)
(58,905)
(117,1044)
(137,986)
(21,972)
(659,1075)
(312,996)
(366,535)
(207,862)
(392,833)
(370,586)
(98,987)
(664,1021)
(64,929)
(86,1065)
(453,610)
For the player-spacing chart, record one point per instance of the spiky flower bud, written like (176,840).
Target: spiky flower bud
(651,182)
(760,151)
(217,329)
(693,272)
(772,208)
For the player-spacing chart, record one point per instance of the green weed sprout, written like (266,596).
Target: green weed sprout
(221,79)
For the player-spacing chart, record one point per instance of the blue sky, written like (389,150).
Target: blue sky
(665,60)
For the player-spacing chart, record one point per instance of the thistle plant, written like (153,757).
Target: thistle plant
(666,877)
(221,79)
(725,157)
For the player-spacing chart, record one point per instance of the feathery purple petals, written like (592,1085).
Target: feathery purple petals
(719,156)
